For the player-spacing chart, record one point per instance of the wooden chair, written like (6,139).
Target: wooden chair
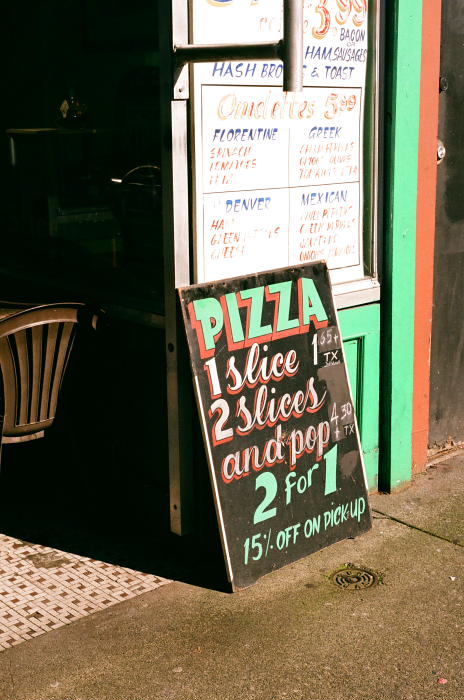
(35,345)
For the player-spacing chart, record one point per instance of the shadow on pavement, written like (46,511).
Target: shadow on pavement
(113,518)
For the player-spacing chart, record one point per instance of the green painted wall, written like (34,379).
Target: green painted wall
(402,94)
(361,334)
(379,338)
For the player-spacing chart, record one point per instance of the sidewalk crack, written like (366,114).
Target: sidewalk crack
(12,679)
(419,529)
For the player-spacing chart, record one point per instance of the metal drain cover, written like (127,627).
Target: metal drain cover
(353,578)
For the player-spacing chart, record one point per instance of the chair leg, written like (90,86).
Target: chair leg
(2,414)
(1,441)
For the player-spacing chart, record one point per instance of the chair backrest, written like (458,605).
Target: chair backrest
(34,349)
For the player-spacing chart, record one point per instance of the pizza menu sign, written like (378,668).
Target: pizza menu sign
(277,417)
(278,176)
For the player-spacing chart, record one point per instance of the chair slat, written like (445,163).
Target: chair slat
(66,339)
(36,373)
(22,377)
(9,384)
(48,369)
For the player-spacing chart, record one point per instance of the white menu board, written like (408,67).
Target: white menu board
(278,176)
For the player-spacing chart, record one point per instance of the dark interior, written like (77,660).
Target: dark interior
(80,168)
(82,221)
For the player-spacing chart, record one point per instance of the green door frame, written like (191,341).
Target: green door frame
(360,328)
(403,52)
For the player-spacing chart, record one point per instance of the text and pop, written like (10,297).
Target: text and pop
(277,416)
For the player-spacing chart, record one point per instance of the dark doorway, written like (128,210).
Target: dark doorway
(80,196)
(447,361)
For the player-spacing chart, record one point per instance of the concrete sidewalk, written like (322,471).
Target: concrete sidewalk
(294,635)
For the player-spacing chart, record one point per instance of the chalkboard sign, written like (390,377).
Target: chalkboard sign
(277,417)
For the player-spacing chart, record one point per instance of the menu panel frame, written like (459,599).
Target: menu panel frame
(355,274)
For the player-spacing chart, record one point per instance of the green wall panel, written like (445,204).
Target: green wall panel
(388,449)
(402,102)
(361,334)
